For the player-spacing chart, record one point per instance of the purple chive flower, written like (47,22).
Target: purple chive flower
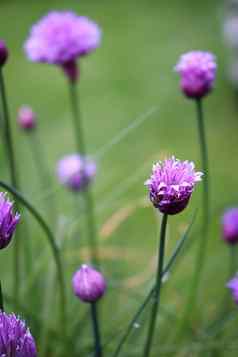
(15,338)
(88,284)
(60,38)
(26,118)
(230,226)
(197,70)
(76,172)
(8,220)
(233,285)
(171,184)
(3,53)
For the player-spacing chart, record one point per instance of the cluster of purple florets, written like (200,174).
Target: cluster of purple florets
(76,171)
(197,70)
(15,338)
(171,184)
(62,37)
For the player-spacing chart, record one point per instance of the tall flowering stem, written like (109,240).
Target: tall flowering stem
(169,265)
(13,173)
(159,275)
(201,254)
(79,137)
(52,243)
(197,70)
(96,331)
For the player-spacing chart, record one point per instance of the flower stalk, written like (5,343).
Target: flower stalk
(96,330)
(159,275)
(166,270)
(80,142)
(201,254)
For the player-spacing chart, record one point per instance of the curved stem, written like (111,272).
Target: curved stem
(13,174)
(96,331)
(52,242)
(80,142)
(167,268)
(159,275)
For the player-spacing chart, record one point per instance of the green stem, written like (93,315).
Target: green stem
(96,331)
(52,243)
(1,298)
(13,174)
(159,275)
(201,253)
(89,203)
(167,268)
(206,198)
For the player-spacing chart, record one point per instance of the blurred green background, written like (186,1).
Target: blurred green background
(130,75)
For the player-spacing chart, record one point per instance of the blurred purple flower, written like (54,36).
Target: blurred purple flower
(3,53)
(8,220)
(233,286)
(88,284)
(198,71)
(76,172)
(60,38)
(26,118)
(171,184)
(15,338)
(230,226)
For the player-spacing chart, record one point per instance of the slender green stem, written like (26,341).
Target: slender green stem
(13,174)
(201,254)
(159,275)
(202,247)
(96,331)
(89,203)
(52,243)
(1,298)
(206,199)
(167,268)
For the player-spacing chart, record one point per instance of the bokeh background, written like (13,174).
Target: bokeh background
(130,77)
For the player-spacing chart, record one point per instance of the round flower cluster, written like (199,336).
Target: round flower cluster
(76,172)
(88,284)
(197,70)
(171,184)
(61,37)
(15,338)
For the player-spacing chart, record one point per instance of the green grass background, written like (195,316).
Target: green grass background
(128,75)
